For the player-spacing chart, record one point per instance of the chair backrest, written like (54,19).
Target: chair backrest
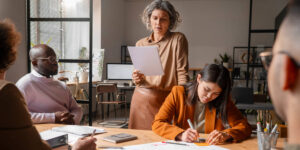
(107,88)
(242,95)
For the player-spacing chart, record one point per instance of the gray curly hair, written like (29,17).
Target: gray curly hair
(162,5)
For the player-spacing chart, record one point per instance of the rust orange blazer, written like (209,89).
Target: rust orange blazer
(175,109)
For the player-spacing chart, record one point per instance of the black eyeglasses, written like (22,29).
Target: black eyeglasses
(266,58)
(51,59)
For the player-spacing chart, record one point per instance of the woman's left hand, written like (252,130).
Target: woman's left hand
(217,137)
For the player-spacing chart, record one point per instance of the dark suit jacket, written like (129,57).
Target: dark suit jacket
(16,128)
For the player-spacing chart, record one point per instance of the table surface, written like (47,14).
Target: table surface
(147,136)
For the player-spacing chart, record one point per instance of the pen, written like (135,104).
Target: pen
(274,128)
(191,126)
(268,127)
(176,143)
(259,127)
(92,135)
(109,147)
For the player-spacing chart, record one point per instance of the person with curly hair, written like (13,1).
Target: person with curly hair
(160,17)
(9,39)
(16,128)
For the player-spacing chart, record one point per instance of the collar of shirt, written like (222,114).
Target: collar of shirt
(150,39)
(35,73)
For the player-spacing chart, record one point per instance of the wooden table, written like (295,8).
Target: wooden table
(147,136)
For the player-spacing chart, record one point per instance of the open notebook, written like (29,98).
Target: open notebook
(74,132)
(78,130)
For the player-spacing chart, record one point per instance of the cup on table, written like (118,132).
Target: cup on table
(266,140)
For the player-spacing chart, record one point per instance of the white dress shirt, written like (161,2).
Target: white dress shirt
(45,96)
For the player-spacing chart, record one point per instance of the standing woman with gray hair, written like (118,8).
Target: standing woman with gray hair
(160,17)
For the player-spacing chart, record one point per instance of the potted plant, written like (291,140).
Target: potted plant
(83,67)
(225,59)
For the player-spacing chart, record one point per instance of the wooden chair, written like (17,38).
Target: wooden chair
(108,94)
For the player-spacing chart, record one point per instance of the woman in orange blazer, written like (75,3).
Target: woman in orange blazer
(207,103)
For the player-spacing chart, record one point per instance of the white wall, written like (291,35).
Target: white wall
(15,10)
(211,26)
(112,30)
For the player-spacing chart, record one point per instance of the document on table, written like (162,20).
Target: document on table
(146,59)
(74,132)
(168,146)
(49,134)
(78,130)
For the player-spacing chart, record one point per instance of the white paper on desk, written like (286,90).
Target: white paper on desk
(166,146)
(48,134)
(78,130)
(146,59)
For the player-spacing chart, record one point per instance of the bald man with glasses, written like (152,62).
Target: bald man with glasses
(283,65)
(48,100)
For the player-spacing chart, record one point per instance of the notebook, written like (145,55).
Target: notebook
(74,132)
(78,130)
(54,139)
(121,137)
(49,134)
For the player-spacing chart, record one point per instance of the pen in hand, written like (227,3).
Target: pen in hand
(191,126)
(92,135)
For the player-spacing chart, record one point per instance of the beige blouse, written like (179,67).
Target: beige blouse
(173,52)
(199,117)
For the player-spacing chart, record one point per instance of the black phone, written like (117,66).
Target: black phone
(201,140)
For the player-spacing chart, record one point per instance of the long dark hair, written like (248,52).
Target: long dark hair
(216,74)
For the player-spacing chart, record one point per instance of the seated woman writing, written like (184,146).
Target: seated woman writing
(207,103)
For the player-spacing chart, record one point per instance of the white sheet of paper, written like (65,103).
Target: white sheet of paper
(48,134)
(166,146)
(78,130)
(146,59)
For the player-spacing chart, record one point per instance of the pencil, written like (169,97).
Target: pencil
(176,143)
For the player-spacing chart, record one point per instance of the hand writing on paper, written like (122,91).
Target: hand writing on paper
(189,135)
(86,143)
(64,117)
(137,77)
(217,137)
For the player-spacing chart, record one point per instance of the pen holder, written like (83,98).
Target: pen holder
(266,141)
